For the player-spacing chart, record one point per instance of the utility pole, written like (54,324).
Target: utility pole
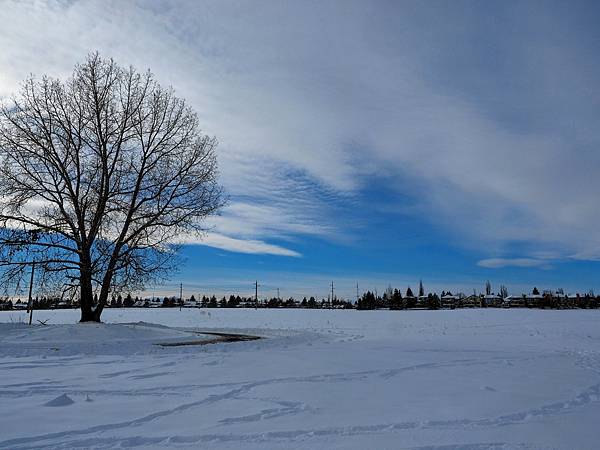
(357,297)
(331,302)
(256,294)
(278,294)
(30,302)
(180,295)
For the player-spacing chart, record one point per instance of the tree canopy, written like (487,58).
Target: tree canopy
(101,177)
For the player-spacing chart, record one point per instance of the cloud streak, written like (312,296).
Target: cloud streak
(497,263)
(250,246)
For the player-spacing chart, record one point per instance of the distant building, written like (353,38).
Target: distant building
(449,301)
(492,300)
(471,301)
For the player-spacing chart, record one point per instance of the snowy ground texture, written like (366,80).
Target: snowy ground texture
(462,379)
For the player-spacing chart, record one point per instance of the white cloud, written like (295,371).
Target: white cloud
(239,245)
(497,263)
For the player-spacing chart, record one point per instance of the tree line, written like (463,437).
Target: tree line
(391,299)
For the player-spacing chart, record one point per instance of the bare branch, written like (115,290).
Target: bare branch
(107,167)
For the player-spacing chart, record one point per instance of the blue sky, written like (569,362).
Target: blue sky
(366,142)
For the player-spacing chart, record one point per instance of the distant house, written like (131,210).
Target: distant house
(573,300)
(471,301)
(534,299)
(6,305)
(492,300)
(513,301)
(191,304)
(154,302)
(450,301)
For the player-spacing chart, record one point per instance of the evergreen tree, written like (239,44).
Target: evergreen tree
(367,301)
(433,301)
(128,302)
(232,302)
(396,301)
(409,302)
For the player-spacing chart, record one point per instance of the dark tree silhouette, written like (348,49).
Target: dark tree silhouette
(100,175)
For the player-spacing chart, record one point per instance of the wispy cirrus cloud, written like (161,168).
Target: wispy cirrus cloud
(231,244)
(497,263)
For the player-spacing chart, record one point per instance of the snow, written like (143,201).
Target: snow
(61,400)
(320,379)
(90,338)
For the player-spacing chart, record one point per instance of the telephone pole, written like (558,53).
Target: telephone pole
(357,297)
(331,302)
(256,294)
(278,294)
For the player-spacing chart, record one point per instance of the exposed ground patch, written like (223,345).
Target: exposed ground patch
(219,337)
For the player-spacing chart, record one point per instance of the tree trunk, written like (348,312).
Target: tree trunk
(89,314)
(105,289)
(89,311)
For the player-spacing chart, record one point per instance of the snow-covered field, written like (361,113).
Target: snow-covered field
(463,379)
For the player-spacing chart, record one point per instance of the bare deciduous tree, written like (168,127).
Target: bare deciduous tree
(101,175)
